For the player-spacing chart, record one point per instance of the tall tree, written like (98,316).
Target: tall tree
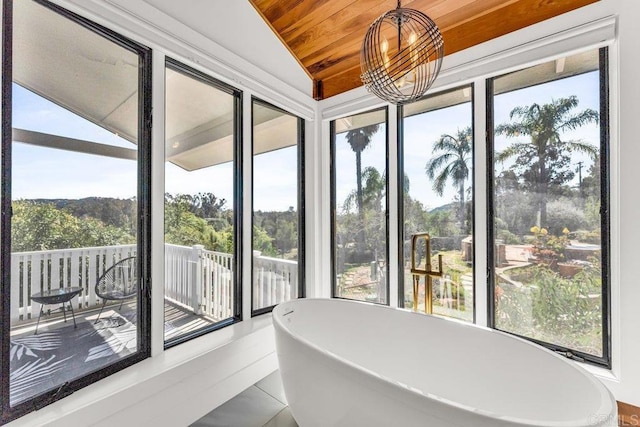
(372,192)
(38,226)
(371,230)
(544,160)
(359,139)
(452,155)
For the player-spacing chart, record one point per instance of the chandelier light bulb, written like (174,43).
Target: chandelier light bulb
(384,46)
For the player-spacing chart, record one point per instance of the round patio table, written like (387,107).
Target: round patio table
(57,296)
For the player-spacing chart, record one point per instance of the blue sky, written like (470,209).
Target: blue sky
(48,173)
(585,86)
(345,161)
(421,131)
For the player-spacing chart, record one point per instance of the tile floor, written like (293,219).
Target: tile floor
(261,405)
(251,407)
(264,405)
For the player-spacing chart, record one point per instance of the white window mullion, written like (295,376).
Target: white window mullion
(324,290)
(480,201)
(246,235)
(157,204)
(392,178)
(313,208)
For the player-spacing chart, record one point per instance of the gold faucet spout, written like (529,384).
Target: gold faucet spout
(427,272)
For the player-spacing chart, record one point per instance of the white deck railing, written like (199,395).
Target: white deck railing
(33,272)
(195,279)
(199,280)
(275,280)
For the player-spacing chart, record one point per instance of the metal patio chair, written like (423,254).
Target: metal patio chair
(118,283)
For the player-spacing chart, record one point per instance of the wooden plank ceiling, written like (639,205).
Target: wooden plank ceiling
(326,35)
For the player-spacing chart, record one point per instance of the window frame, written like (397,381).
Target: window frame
(237,94)
(333,214)
(301,202)
(605,219)
(400,178)
(8,412)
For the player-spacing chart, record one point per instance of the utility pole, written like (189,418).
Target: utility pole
(580,179)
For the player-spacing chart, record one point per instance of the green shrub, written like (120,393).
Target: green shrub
(553,309)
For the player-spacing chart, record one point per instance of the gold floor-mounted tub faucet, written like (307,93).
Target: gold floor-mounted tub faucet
(427,272)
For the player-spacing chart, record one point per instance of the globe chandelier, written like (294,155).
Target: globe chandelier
(401,55)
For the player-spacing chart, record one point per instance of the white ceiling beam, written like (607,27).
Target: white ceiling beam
(70,144)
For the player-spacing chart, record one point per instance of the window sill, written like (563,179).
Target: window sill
(604,374)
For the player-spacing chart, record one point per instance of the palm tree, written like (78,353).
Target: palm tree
(451,163)
(359,139)
(373,191)
(543,160)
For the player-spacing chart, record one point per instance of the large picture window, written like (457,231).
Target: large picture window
(75,203)
(201,203)
(436,192)
(359,207)
(278,208)
(549,204)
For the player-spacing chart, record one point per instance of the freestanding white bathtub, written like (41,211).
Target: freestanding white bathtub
(346,363)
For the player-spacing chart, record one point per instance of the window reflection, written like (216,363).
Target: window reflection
(199,203)
(547,201)
(360,207)
(438,199)
(75,202)
(277,186)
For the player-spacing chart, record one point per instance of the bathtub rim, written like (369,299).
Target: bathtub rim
(607,401)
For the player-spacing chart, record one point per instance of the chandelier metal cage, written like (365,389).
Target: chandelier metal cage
(401,55)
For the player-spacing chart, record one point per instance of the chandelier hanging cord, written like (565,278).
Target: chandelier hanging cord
(399,27)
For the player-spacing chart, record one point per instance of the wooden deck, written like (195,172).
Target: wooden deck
(61,352)
(177,320)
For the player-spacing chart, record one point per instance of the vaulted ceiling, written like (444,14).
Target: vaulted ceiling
(325,36)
